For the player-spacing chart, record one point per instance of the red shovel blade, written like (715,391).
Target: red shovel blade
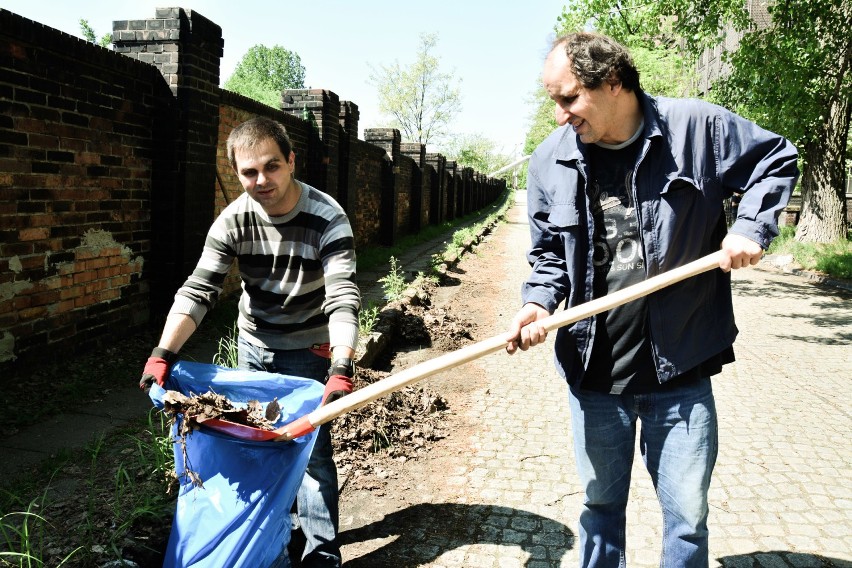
(240,431)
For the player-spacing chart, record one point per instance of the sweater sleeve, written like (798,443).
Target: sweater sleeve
(201,290)
(342,296)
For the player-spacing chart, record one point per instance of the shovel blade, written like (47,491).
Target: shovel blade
(240,431)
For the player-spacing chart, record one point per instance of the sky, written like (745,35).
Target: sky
(495,47)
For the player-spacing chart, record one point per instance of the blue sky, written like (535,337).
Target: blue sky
(495,47)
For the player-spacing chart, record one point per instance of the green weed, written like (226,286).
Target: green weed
(393,284)
(227,353)
(367,319)
(23,535)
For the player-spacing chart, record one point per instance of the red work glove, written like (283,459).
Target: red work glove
(157,367)
(338,382)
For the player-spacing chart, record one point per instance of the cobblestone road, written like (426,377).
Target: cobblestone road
(782,490)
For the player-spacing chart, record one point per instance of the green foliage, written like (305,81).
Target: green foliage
(420,99)
(809,49)
(227,350)
(475,151)
(367,318)
(264,72)
(90,35)
(833,259)
(393,283)
(543,121)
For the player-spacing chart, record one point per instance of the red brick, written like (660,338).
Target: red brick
(34,234)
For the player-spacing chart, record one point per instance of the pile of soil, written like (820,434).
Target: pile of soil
(400,426)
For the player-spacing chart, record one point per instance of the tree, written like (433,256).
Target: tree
(90,35)
(663,69)
(805,94)
(420,98)
(792,77)
(475,151)
(264,72)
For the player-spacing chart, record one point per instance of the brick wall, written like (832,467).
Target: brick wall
(78,142)
(113,166)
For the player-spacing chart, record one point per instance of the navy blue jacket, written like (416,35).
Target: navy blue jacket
(694,156)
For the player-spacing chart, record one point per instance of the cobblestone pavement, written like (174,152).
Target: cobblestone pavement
(782,491)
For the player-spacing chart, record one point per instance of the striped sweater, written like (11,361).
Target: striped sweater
(297,271)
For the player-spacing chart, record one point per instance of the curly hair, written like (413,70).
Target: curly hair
(253,131)
(596,58)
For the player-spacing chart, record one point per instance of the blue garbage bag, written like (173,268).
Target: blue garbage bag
(240,516)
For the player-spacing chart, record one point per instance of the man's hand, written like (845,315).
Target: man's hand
(157,368)
(338,382)
(739,252)
(524,331)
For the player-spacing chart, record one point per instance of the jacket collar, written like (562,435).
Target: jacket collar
(570,148)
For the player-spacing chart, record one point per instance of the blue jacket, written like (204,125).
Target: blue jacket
(694,156)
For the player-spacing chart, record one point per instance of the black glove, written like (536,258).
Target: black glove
(338,381)
(157,367)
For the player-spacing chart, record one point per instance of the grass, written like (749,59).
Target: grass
(227,352)
(369,258)
(122,487)
(833,259)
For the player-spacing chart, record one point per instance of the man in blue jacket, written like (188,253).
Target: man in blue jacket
(628,187)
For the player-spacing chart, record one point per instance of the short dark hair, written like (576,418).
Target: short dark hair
(596,59)
(253,131)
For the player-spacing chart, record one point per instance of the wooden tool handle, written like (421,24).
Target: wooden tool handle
(418,372)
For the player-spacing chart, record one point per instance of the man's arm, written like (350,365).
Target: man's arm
(761,166)
(178,329)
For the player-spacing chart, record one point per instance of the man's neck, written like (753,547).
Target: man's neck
(630,118)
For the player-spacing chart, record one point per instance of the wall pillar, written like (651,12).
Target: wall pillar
(438,189)
(321,107)
(419,186)
(390,140)
(348,118)
(186,47)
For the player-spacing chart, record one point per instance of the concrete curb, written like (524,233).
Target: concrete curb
(785,264)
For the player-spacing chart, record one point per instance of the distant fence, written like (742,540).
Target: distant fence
(113,166)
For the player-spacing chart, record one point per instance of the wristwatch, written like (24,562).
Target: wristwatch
(343,366)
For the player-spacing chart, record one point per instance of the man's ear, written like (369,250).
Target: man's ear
(615,88)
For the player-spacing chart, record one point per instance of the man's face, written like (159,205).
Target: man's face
(589,112)
(267,176)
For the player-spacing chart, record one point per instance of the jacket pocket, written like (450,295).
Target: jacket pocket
(680,197)
(678,186)
(563,216)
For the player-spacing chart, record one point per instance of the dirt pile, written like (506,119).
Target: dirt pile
(399,426)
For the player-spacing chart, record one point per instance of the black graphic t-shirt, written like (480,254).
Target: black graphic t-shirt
(621,360)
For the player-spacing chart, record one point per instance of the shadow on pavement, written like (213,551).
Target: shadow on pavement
(426,531)
(781,559)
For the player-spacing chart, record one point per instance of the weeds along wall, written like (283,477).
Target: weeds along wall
(113,166)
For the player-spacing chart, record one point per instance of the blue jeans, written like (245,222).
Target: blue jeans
(678,441)
(317,498)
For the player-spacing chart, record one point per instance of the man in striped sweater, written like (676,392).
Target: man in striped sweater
(298,312)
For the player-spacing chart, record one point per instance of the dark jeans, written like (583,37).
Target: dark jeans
(317,498)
